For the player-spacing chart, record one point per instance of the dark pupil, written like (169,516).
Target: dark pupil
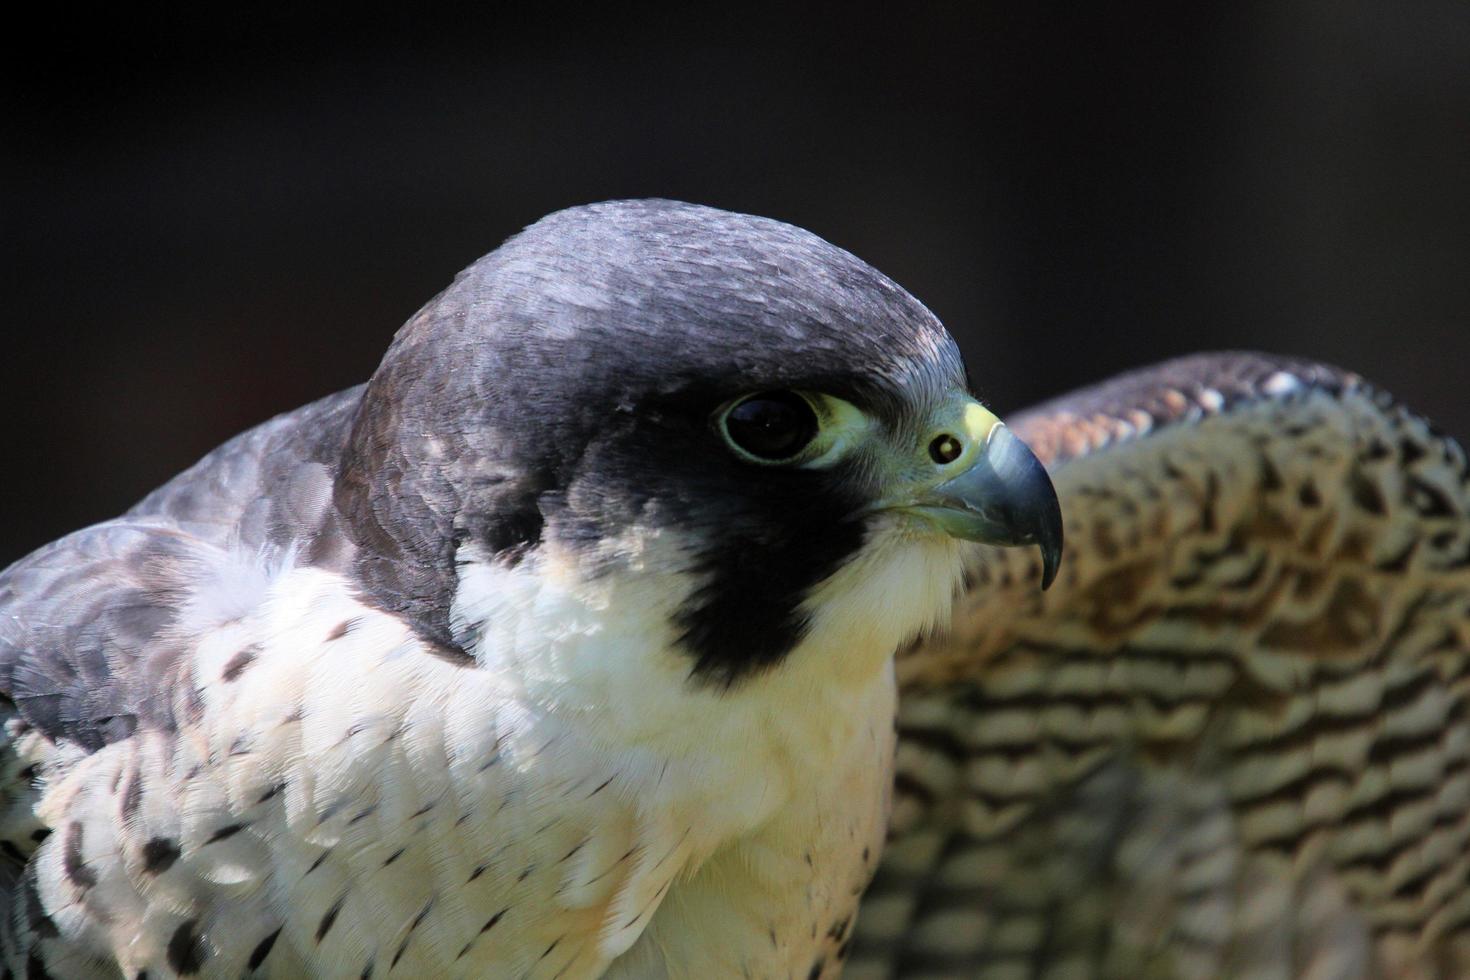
(772,426)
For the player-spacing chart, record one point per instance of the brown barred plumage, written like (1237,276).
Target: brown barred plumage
(1232,741)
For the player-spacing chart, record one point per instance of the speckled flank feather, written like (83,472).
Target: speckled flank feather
(1232,741)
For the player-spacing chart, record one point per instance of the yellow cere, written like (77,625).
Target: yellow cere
(978,422)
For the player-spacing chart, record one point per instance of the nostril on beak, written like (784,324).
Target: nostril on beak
(945,449)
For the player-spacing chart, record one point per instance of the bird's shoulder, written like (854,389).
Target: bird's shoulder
(1247,690)
(94,626)
(271,484)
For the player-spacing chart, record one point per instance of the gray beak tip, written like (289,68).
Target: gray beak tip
(1035,511)
(1049,541)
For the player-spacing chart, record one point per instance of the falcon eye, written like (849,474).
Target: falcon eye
(772,427)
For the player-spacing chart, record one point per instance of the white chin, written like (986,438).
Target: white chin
(901,584)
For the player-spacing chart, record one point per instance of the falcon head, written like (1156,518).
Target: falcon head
(746,432)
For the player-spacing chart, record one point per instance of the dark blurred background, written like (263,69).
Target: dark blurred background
(205,224)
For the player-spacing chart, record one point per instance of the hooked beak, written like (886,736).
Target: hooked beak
(996,492)
(1004,498)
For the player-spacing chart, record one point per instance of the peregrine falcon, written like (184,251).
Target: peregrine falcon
(561,648)
(564,647)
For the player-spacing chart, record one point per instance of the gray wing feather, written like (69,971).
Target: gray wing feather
(95,628)
(271,485)
(83,640)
